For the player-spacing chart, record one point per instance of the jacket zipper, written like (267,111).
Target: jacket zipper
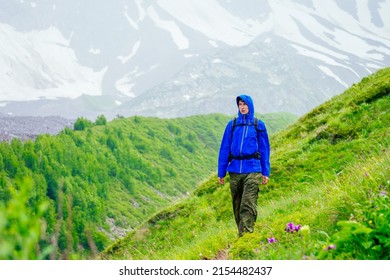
(242,141)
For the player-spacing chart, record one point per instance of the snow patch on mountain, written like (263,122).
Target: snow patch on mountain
(330,73)
(94,50)
(125,59)
(332,26)
(41,63)
(219,25)
(321,57)
(177,36)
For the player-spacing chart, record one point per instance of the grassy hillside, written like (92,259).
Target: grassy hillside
(330,174)
(76,192)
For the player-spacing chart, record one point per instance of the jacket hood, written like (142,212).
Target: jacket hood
(248,100)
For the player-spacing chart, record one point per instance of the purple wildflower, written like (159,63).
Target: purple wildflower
(290,227)
(297,227)
(271,240)
(331,247)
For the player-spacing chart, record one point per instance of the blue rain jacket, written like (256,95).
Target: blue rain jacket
(244,142)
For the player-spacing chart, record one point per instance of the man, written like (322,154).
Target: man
(244,153)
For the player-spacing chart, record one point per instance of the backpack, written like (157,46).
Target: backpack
(255,124)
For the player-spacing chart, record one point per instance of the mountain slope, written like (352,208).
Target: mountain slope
(330,174)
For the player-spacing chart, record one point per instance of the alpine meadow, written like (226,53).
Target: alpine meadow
(144,188)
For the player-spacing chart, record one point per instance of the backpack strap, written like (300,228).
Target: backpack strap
(255,124)
(255,155)
(233,126)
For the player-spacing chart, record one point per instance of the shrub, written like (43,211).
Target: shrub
(101,120)
(82,124)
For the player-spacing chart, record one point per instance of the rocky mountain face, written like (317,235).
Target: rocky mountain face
(268,69)
(28,127)
(172,58)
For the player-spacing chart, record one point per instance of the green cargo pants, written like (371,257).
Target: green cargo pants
(244,189)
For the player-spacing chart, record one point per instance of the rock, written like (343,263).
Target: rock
(29,127)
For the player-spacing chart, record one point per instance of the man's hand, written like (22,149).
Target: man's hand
(265,180)
(221,181)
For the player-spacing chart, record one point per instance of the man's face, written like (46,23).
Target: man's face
(243,107)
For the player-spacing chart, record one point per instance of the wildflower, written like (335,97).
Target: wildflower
(330,247)
(272,240)
(290,227)
(383,193)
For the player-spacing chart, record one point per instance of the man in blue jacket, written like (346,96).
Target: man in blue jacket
(245,154)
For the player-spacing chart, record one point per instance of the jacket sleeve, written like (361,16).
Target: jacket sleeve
(224,151)
(264,149)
